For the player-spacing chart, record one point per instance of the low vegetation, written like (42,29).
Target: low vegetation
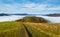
(29,27)
(43,29)
(33,19)
(12,29)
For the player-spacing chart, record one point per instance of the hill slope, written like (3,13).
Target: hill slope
(33,19)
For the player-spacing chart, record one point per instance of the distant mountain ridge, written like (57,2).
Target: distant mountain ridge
(53,15)
(4,14)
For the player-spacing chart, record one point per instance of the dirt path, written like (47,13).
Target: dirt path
(29,34)
(24,32)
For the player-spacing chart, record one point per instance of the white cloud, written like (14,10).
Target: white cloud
(25,8)
(30,5)
(54,8)
(21,7)
(9,8)
(41,7)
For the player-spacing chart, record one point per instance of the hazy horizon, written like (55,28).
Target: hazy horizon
(29,7)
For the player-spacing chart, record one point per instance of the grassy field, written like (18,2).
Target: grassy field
(43,29)
(19,29)
(12,29)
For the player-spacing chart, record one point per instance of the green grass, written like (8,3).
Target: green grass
(43,29)
(12,29)
(33,19)
(16,29)
(8,25)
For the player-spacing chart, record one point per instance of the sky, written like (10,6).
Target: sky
(30,6)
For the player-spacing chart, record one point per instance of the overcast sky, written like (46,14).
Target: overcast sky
(30,6)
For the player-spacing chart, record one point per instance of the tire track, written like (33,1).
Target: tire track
(29,34)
